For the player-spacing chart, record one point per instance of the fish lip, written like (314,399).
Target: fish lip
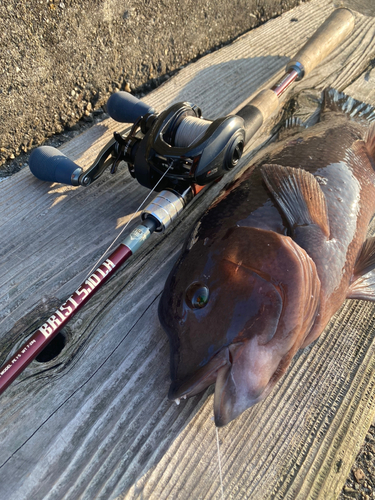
(228,402)
(221,416)
(225,413)
(201,379)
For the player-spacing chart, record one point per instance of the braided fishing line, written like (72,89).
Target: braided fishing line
(219,460)
(190,130)
(127,224)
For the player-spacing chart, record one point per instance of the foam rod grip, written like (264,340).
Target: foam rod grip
(326,39)
(49,164)
(125,108)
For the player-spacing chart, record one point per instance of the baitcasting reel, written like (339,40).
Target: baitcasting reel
(177,144)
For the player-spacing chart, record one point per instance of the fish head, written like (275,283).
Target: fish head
(236,310)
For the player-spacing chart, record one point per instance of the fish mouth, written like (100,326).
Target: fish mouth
(232,392)
(202,378)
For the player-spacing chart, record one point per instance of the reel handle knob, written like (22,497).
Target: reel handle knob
(125,108)
(49,164)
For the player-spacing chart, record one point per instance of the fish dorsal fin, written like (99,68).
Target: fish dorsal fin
(291,126)
(298,195)
(294,122)
(334,100)
(338,101)
(363,284)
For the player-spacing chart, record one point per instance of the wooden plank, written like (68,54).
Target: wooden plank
(94,422)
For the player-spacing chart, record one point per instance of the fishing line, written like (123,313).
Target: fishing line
(190,130)
(127,224)
(218,456)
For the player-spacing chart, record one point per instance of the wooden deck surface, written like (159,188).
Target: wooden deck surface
(94,422)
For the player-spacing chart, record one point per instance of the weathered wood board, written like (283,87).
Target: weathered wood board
(94,422)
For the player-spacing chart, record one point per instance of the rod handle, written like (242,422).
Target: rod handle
(126,108)
(324,41)
(256,112)
(49,164)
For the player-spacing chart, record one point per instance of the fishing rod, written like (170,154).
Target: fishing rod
(176,153)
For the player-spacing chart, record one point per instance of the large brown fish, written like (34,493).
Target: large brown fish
(272,260)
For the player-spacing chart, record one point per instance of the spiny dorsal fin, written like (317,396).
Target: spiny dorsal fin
(294,122)
(291,126)
(298,195)
(338,101)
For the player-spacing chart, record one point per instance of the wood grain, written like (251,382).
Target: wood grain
(94,422)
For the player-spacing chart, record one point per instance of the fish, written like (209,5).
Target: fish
(272,259)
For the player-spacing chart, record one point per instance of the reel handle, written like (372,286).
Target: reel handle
(126,108)
(49,164)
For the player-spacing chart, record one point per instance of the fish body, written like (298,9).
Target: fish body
(271,261)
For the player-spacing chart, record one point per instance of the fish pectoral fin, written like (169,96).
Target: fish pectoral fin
(370,140)
(298,195)
(363,288)
(363,282)
(366,258)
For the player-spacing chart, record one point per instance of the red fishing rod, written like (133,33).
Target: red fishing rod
(176,153)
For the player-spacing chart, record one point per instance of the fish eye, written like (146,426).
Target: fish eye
(197,296)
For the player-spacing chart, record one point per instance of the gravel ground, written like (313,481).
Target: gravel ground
(361,481)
